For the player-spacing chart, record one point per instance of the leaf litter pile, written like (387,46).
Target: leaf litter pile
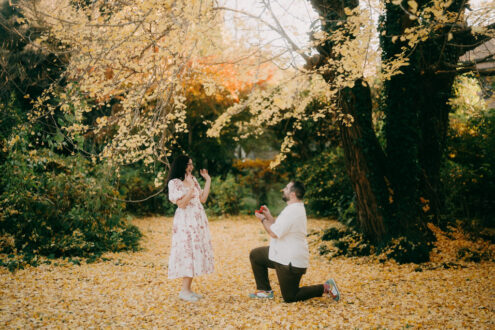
(131,290)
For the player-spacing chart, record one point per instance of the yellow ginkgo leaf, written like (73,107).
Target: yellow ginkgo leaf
(413,6)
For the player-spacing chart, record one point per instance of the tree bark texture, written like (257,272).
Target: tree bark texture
(365,161)
(364,157)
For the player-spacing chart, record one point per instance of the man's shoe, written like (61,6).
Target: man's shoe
(262,294)
(188,296)
(332,289)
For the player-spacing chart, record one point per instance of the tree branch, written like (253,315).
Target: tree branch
(468,41)
(481,72)
(278,29)
(283,33)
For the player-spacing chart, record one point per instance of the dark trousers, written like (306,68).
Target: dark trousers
(289,277)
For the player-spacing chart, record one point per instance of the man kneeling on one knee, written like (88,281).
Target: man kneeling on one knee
(288,251)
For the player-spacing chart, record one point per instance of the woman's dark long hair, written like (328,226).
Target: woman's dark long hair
(178,169)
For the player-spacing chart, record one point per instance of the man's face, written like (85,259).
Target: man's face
(286,191)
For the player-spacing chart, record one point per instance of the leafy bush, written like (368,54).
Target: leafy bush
(226,196)
(344,242)
(469,172)
(257,177)
(328,189)
(136,184)
(60,206)
(407,250)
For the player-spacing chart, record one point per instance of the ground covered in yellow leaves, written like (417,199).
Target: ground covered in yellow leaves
(131,290)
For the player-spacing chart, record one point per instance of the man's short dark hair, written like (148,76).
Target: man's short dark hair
(298,188)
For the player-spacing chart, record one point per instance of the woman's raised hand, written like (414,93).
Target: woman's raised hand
(204,174)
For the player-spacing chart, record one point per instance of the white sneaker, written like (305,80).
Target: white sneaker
(188,296)
(197,295)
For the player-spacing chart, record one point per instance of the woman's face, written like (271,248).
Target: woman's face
(189,167)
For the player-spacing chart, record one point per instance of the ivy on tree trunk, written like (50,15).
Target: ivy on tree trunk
(398,188)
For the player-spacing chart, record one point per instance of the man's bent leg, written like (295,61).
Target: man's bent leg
(260,264)
(289,278)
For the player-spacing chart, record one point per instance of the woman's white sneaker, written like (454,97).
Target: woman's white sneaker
(188,296)
(197,295)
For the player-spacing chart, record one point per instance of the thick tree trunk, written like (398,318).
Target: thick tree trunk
(437,79)
(402,135)
(434,120)
(417,115)
(364,157)
(365,161)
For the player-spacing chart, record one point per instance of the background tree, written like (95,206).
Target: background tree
(26,70)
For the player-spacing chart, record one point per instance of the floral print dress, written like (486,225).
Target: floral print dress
(191,253)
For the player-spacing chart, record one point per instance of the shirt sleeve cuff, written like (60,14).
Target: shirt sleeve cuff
(274,228)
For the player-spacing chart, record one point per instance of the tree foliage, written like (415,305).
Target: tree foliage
(59,206)
(144,60)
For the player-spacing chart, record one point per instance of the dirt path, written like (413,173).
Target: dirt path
(132,291)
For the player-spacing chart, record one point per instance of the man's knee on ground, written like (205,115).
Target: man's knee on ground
(289,298)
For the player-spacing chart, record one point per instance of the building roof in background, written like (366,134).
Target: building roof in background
(485,53)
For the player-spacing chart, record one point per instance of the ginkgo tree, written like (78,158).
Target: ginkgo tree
(142,60)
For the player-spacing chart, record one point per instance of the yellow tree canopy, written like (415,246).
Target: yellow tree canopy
(148,56)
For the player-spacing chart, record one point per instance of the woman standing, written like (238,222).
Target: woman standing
(191,253)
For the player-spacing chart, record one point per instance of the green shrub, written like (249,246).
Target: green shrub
(345,242)
(274,199)
(469,172)
(60,206)
(328,189)
(407,250)
(337,241)
(136,184)
(259,180)
(260,185)
(226,196)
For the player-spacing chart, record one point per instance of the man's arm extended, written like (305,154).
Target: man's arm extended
(267,220)
(267,224)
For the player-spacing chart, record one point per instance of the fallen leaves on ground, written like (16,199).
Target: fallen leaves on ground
(131,290)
